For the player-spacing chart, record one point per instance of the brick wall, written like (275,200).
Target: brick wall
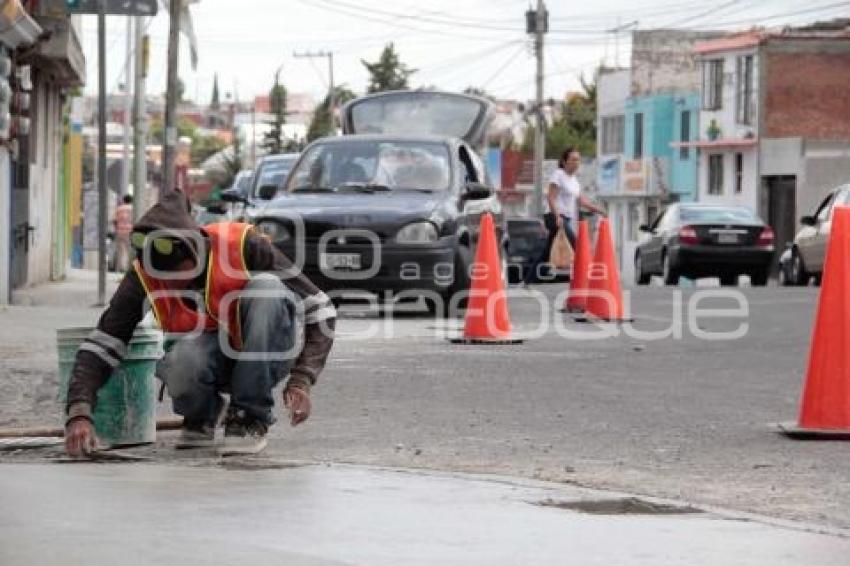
(807,90)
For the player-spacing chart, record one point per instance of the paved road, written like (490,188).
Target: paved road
(686,419)
(680,418)
(317,515)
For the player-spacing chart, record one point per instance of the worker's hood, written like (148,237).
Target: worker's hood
(172,217)
(172,213)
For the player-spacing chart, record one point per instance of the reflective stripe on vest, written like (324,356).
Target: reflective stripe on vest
(227,274)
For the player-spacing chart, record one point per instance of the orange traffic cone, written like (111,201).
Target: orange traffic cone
(825,408)
(487,319)
(604,294)
(577,300)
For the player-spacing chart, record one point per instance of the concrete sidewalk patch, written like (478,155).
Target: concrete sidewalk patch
(304,515)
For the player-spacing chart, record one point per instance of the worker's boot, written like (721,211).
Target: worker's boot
(243,435)
(195,435)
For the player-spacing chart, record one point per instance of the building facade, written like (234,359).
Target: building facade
(43,43)
(641,112)
(775,121)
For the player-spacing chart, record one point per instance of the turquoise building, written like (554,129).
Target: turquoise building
(652,124)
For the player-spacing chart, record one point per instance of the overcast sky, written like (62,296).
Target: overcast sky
(452,43)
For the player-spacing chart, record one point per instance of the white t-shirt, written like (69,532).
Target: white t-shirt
(568,193)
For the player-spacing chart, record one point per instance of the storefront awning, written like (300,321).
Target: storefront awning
(717,144)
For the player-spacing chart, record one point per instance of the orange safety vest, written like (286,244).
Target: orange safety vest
(226,272)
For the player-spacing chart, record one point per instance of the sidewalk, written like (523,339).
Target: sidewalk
(256,512)
(28,362)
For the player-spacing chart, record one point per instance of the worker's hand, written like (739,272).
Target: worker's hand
(80,440)
(297,400)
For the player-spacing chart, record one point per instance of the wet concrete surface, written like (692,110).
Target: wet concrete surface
(75,514)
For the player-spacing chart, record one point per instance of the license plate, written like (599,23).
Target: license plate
(340,261)
(727,238)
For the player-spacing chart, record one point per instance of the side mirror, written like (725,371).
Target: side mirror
(808,221)
(216,208)
(476,191)
(645,228)
(267,192)
(233,195)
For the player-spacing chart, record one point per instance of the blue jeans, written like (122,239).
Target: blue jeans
(196,370)
(552,227)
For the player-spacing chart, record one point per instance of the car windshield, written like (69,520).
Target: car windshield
(716,214)
(373,165)
(273,172)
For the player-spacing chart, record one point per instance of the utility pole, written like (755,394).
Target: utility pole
(332,90)
(539,26)
(140,156)
(128,104)
(102,204)
(169,144)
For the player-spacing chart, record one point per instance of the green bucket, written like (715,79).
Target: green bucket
(126,405)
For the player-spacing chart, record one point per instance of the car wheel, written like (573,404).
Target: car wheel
(799,275)
(670,271)
(759,278)
(641,278)
(729,279)
(818,279)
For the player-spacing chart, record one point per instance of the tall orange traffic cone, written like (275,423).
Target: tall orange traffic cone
(825,407)
(605,295)
(577,300)
(487,319)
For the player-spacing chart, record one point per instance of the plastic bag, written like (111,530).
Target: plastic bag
(561,254)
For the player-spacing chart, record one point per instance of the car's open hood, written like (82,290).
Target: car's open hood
(419,112)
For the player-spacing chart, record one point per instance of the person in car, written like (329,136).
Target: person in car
(243,319)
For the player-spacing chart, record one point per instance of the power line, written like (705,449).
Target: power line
(762,19)
(503,67)
(702,14)
(327,6)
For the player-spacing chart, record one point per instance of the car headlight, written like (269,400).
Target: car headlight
(417,233)
(274,231)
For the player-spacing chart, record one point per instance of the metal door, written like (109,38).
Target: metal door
(21,236)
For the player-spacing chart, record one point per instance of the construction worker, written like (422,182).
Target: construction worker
(123,225)
(235,305)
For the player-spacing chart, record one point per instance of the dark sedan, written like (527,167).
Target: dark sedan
(527,240)
(385,212)
(705,240)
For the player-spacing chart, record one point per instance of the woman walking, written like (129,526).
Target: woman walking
(563,200)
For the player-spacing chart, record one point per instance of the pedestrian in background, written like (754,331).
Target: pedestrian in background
(123,224)
(563,200)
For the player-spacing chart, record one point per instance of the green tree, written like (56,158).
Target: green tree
(185,128)
(320,125)
(388,72)
(215,103)
(203,147)
(574,127)
(273,141)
